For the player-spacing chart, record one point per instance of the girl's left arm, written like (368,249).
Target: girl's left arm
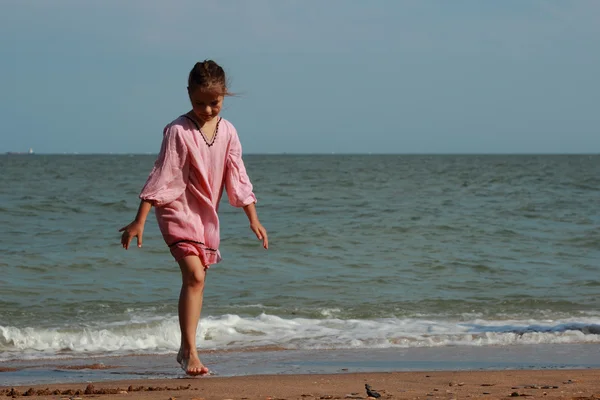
(255,225)
(239,188)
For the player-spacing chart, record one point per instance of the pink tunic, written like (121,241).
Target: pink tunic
(187,181)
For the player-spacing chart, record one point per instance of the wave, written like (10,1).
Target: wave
(232,332)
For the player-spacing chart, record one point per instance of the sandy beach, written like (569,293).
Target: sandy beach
(551,384)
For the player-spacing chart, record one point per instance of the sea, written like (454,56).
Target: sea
(375,262)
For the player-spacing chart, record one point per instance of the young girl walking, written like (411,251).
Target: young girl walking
(200,156)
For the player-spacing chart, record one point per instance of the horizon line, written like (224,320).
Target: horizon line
(327,154)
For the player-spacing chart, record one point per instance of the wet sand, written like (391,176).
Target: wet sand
(550,384)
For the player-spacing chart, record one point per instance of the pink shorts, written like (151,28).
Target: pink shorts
(207,256)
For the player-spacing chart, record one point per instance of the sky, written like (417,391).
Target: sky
(310,76)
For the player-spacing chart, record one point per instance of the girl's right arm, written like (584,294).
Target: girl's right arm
(136,228)
(166,182)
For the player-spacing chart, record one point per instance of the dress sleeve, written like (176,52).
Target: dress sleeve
(238,185)
(169,176)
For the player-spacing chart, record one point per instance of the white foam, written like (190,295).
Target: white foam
(161,335)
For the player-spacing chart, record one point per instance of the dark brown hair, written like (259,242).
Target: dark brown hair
(208,75)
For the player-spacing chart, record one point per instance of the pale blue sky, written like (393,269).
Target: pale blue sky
(314,76)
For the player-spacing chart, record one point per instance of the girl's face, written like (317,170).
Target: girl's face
(206,104)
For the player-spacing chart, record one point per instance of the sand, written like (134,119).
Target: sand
(548,384)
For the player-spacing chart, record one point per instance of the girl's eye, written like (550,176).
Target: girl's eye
(214,103)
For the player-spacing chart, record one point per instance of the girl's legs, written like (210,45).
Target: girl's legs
(193,274)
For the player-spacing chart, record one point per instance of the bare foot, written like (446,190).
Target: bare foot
(192,365)
(195,367)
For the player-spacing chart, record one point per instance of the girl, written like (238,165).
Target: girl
(199,157)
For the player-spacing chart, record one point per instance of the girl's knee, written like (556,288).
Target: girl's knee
(195,278)
(193,273)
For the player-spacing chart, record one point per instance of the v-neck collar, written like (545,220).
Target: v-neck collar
(210,142)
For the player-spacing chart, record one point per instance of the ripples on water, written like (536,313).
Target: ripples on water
(439,237)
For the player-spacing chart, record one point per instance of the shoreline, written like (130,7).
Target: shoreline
(277,362)
(552,384)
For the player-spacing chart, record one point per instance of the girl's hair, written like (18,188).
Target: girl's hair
(208,75)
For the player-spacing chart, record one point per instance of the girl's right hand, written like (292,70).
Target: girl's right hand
(134,229)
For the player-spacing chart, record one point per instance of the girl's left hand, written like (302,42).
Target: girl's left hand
(261,233)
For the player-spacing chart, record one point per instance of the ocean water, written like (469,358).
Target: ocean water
(366,252)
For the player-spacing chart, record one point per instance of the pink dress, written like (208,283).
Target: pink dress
(187,182)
